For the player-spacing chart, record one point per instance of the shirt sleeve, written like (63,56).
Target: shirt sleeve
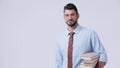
(97,46)
(59,58)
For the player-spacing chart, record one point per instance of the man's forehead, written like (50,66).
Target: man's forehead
(69,11)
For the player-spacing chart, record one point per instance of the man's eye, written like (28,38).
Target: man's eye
(66,15)
(72,14)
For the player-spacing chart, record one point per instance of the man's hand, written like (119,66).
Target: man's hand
(100,64)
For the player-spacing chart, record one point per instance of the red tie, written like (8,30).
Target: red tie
(70,50)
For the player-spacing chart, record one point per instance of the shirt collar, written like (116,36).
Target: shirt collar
(76,30)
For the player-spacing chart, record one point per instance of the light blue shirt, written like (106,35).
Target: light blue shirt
(85,40)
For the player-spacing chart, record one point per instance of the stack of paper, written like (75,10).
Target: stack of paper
(89,60)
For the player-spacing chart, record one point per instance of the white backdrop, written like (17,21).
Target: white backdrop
(29,28)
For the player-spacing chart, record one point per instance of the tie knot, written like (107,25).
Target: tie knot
(71,33)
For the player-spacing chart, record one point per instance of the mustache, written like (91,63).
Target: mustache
(71,20)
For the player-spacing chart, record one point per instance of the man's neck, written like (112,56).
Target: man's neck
(71,29)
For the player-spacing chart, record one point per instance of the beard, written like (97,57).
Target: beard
(71,24)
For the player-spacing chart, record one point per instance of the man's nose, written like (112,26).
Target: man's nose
(70,17)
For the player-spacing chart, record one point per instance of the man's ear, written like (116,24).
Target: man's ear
(78,15)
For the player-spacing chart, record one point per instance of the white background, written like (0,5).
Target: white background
(29,28)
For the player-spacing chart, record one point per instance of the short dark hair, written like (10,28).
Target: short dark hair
(70,6)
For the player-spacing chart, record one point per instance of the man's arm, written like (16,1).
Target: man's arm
(99,48)
(59,59)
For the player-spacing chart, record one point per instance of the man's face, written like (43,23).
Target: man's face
(70,17)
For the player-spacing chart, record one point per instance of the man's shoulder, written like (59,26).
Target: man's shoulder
(86,29)
(89,32)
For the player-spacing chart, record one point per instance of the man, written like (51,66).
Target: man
(84,40)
